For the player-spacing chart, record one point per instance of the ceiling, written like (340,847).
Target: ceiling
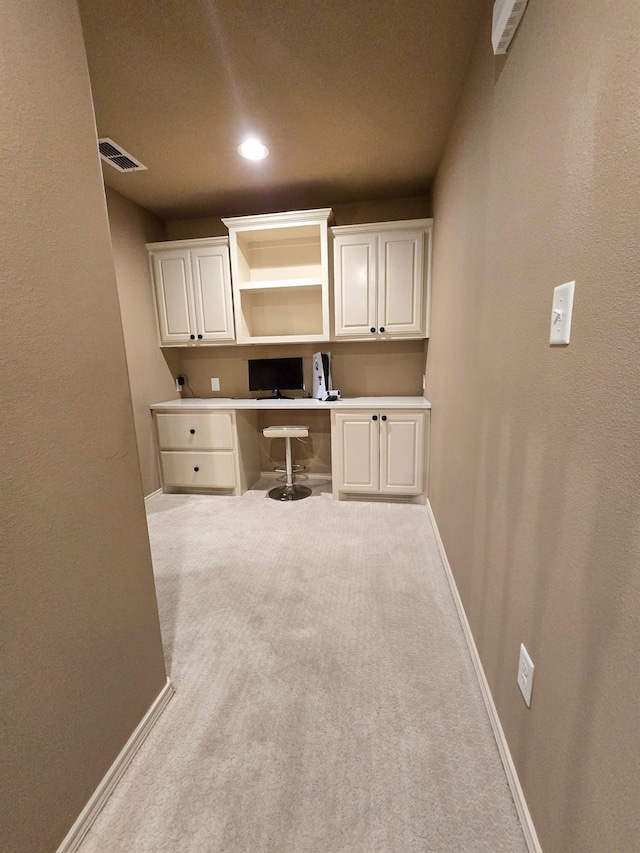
(353,98)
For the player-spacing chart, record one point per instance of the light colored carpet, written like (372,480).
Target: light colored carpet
(325,699)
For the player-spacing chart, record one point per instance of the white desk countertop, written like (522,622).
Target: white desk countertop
(188,403)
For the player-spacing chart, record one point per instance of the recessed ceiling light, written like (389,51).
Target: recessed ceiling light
(253,149)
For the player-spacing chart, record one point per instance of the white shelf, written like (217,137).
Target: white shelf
(279,284)
(280,275)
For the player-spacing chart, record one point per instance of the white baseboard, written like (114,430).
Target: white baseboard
(152,495)
(113,775)
(531,837)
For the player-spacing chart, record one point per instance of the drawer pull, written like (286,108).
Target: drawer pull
(383,418)
(192,337)
(199,337)
(373,328)
(374,418)
(382,328)
(196,469)
(192,431)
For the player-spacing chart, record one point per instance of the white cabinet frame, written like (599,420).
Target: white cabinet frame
(192,284)
(280,271)
(207,451)
(379,453)
(382,280)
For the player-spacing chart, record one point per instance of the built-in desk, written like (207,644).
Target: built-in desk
(378,444)
(301,404)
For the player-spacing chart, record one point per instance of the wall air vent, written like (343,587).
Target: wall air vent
(113,153)
(507,14)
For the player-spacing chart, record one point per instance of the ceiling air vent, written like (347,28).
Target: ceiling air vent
(507,14)
(113,153)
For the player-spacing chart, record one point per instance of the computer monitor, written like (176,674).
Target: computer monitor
(275,375)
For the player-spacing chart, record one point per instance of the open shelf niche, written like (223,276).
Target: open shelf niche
(280,274)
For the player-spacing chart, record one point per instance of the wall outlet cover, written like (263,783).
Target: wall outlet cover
(215,384)
(525,674)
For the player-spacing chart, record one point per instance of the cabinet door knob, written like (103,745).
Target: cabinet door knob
(374,418)
(199,337)
(382,328)
(383,418)
(373,329)
(192,431)
(193,337)
(196,468)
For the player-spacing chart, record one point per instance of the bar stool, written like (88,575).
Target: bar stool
(290,491)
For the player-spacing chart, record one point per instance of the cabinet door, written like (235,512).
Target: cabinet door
(402,452)
(355,285)
(174,301)
(357,452)
(401,283)
(212,293)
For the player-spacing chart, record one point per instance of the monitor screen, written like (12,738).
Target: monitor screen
(275,374)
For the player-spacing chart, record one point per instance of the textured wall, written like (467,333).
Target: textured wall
(152,371)
(343,214)
(80,646)
(535,459)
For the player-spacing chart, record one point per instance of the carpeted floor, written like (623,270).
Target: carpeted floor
(325,699)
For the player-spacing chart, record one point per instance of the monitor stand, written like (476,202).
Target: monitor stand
(276,396)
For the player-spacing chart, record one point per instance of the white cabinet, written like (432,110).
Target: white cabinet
(208,450)
(193,291)
(197,450)
(382,279)
(280,273)
(378,452)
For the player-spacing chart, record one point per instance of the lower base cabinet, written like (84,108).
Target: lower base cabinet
(212,451)
(379,453)
(375,453)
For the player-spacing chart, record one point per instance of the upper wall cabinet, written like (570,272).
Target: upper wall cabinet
(382,279)
(193,291)
(280,273)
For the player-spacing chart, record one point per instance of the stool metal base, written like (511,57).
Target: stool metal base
(289,493)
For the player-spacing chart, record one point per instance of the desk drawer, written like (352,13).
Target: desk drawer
(201,431)
(216,470)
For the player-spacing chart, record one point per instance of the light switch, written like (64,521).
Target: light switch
(525,674)
(215,384)
(561,311)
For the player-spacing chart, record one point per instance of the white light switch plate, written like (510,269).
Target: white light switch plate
(525,674)
(215,384)
(561,312)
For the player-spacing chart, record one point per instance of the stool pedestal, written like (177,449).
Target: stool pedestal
(290,491)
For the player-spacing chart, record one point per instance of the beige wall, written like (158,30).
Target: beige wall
(344,214)
(80,644)
(535,458)
(357,369)
(152,371)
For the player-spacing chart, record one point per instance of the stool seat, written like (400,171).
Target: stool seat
(290,491)
(284,431)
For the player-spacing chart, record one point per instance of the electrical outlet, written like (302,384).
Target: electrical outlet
(525,675)
(178,386)
(424,381)
(215,384)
